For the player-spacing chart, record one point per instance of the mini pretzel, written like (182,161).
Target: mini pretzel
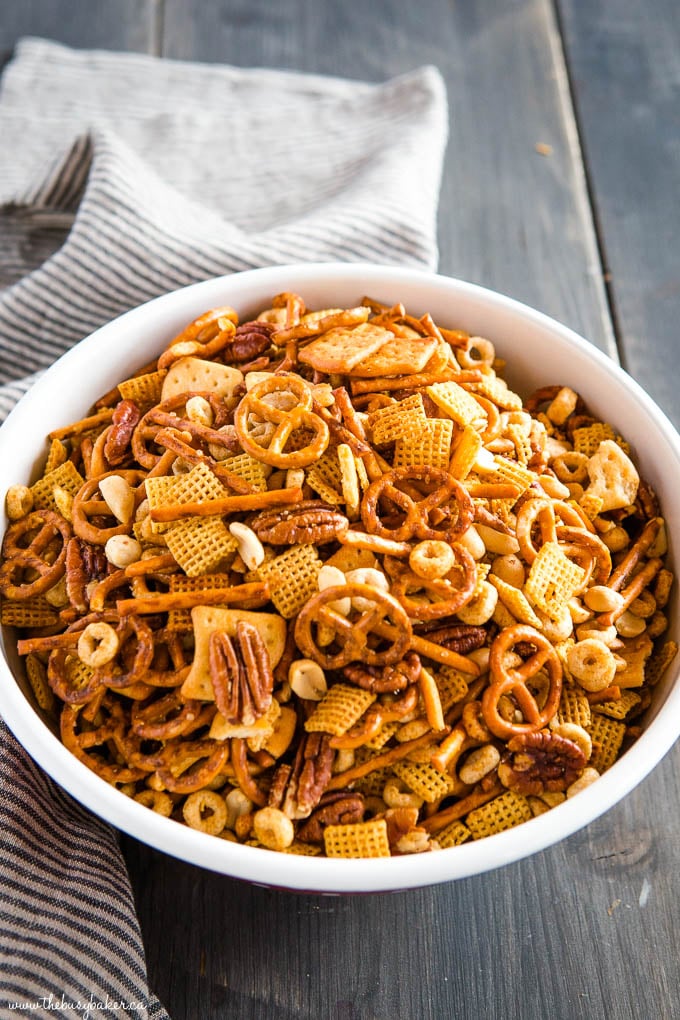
(39,530)
(203,337)
(188,766)
(577,544)
(87,506)
(80,742)
(507,680)
(169,717)
(445,512)
(537,511)
(351,636)
(446,595)
(255,407)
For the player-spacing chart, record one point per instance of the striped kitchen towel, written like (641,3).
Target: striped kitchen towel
(122,177)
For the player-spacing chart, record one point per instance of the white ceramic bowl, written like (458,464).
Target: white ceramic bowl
(539,351)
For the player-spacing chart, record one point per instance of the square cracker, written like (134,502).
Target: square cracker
(398,356)
(341,349)
(207,620)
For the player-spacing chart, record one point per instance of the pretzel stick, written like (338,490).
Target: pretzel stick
(43,644)
(227,505)
(164,561)
(435,823)
(492,490)
(619,576)
(431,700)
(632,590)
(446,656)
(172,441)
(413,382)
(375,464)
(83,425)
(342,779)
(165,601)
(374,543)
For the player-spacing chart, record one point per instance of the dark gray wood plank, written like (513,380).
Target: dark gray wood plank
(510,218)
(104,24)
(624,60)
(586,929)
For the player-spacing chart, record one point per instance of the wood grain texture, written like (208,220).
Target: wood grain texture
(588,928)
(625,71)
(510,218)
(102,24)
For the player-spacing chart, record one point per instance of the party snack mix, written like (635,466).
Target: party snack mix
(321,582)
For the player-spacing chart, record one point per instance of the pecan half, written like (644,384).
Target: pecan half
(385,679)
(84,563)
(125,419)
(460,637)
(250,340)
(241,674)
(341,808)
(541,762)
(297,789)
(311,521)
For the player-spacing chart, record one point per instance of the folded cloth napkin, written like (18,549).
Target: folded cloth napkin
(122,177)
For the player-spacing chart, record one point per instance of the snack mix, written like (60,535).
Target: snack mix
(321,582)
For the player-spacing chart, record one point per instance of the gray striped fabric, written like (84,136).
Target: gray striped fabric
(122,177)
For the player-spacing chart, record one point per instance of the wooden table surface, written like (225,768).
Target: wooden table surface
(561,189)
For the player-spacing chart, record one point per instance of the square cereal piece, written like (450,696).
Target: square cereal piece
(37,678)
(373,783)
(428,445)
(292,578)
(145,390)
(361,839)
(453,835)
(465,453)
(636,652)
(452,684)
(501,813)
(56,455)
(587,439)
(553,579)
(201,545)
(200,485)
(246,467)
(515,601)
(302,849)
(574,707)
(520,439)
(339,709)
(390,422)
(196,486)
(659,661)
(66,476)
(325,477)
(510,471)
(496,389)
(179,620)
(386,731)
(620,708)
(31,612)
(425,780)
(457,403)
(607,735)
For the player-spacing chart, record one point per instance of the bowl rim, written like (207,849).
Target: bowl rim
(308,873)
